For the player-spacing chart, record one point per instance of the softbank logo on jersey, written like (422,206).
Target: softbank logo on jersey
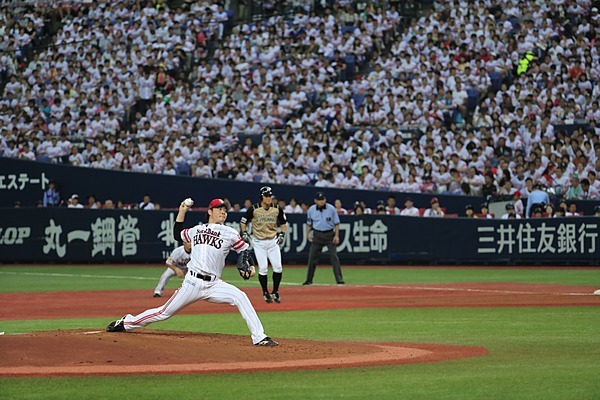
(209,237)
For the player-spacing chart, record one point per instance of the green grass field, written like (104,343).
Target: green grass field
(535,352)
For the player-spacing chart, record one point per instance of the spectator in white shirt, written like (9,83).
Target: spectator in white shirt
(390,207)
(169,169)
(26,153)
(54,151)
(74,202)
(293,207)
(510,212)
(435,210)
(350,181)
(76,158)
(409,209)
(146,204)
(140,165)
(108,161)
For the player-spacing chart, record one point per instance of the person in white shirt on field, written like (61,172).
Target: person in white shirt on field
(176,264)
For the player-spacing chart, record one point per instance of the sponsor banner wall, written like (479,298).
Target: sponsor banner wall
(135,236)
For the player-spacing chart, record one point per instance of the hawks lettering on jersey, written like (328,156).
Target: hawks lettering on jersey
(209,237)
(210,245)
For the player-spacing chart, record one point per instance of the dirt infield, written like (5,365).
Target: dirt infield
(83,353)
(116,303)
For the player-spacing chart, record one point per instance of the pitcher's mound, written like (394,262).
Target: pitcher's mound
(77,353)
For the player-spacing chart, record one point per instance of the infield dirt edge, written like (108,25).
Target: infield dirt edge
(148,352)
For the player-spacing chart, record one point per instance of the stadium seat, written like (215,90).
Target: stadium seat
(350,59)
(473,99)
(496,79)
(358,98)
(256,139)
(348,28)
(350,70)
(515,24)
(44,159)
(183,169)
(229,24)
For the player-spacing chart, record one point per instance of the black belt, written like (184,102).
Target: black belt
(207,278)
(331,230)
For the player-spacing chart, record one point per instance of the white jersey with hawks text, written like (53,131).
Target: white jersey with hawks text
(210,245)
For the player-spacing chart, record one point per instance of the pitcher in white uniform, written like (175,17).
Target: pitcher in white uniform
(211,243)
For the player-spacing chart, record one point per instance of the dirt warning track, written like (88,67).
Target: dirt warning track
(116,303)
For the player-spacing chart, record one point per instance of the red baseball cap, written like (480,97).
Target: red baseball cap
(216,203)
(434,200)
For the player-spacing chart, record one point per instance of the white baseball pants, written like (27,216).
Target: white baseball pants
(265,251)
(164,279)
(193,289)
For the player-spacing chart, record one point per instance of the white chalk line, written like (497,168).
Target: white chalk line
(448,289)
(396,287)
(119,277)
(144,278)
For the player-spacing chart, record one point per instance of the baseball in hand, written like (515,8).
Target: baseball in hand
(252,271)
(188,202)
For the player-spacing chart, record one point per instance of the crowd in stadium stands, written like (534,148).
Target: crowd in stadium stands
(514,209)
(483,97)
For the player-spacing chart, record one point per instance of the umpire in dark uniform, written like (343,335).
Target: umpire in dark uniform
(324,223)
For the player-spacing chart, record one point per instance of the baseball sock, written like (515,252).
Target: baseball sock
(276,281)
(264,281)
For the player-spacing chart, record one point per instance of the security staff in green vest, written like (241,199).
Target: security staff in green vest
(524,62)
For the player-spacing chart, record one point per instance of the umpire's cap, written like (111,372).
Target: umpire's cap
(320,196)
(266,191)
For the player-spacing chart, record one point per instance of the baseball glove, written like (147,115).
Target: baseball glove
(280,239)
(245,265)
(246,237)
